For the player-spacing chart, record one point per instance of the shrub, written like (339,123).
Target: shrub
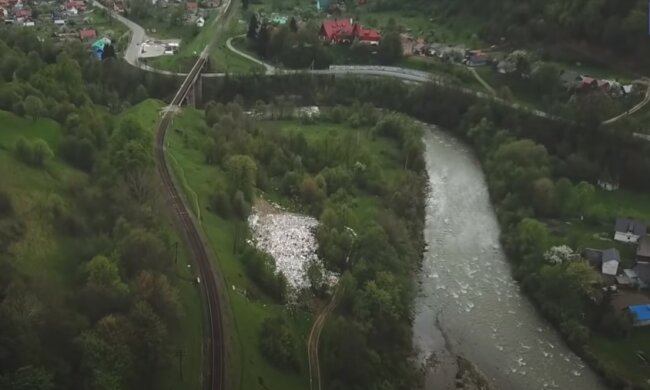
(32,153)
(278,344)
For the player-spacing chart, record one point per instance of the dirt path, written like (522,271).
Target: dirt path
(314,340)
(480,79)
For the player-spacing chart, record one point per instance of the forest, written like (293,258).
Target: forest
(89,292)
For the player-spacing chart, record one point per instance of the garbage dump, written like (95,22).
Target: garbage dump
(290,239)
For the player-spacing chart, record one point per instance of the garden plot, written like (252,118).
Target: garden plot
(290,239)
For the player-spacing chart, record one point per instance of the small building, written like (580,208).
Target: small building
(640,314)
(629,230)
(23,14)
(87,33)
(366,36)
(643,249)
(59,22)
(628,278)
(606,260)
(337,30)
(642,270)
(608,185)
(476,58)
(191,6)
(200,22)
(28,23)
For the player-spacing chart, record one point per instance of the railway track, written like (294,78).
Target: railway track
(214,351)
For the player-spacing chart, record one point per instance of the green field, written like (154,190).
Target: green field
(250,368)
(621,354)
(223,59)
(44,255)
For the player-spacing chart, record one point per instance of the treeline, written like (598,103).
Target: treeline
(368,343)
(113,324)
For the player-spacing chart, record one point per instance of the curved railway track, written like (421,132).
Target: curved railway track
(214,351)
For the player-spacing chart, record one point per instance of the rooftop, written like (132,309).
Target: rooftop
(644,247)
(635,227)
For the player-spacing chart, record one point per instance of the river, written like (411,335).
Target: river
(466,284)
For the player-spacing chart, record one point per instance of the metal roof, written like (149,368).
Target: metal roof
(640,312)
(625,225)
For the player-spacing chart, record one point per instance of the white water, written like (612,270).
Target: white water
(466,281)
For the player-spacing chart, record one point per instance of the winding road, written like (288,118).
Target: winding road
(405,74)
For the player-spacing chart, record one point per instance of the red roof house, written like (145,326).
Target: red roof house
(24,13)
(87,33)
(191,6)
(367,36)
(337,30)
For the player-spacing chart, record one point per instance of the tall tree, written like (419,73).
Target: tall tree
(253,25)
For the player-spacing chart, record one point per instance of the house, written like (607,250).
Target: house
(59,22)
(191,6)
(640,314)
(366,36)
(23,14)
(337,30)
(606,260)
(587,82)
(643,249)
(476,58)
(628,278)
(87,33)
(608,185)
(629,230)
(200,22)
(642,271)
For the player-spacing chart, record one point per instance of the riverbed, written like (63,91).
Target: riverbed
(468,294)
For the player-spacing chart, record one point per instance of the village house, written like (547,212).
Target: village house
(643,249)
(476,58)
(366,36)
(23,14)
(337,30)
(191,7)
(640,314)
(87,33)
(642,272)
(606,260)
(629,230)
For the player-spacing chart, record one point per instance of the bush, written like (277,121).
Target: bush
(32,153)
(220,204)
(278,344)
(260,267)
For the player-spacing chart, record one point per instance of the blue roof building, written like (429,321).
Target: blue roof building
(641,314)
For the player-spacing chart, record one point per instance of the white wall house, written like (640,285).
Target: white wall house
(629,230)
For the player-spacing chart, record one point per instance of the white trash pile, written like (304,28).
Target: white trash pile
(290,239)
